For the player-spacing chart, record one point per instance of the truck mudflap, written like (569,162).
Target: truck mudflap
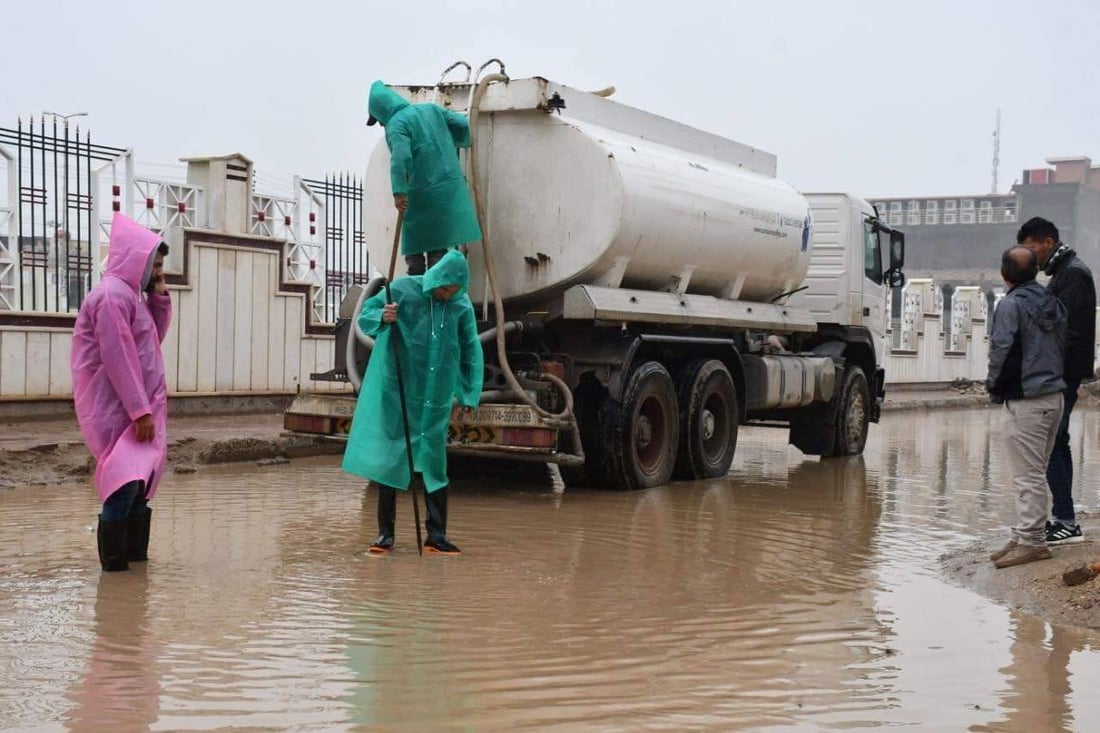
(507,431)
(879,394)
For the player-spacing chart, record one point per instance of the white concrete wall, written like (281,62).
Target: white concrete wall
(233,289)
(932,361)
(234,331)
(924,354)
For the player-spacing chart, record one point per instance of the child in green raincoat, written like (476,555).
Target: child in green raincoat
(435,329)
(425,175)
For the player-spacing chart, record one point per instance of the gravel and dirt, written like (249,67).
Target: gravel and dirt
(1037,587)
(50,452)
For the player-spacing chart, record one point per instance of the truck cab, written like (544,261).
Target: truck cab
(855,260)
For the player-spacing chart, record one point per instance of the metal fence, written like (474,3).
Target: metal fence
(62,190)
(345,261)
(48,227)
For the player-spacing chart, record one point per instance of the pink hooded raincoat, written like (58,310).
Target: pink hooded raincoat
(118,369)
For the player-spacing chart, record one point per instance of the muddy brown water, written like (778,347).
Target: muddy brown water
(794,595)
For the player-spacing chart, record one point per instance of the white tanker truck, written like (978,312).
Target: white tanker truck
(644,288)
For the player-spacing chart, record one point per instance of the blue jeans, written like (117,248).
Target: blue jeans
(1060,467)
(130,498)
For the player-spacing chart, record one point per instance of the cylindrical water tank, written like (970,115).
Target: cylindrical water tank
(569,202)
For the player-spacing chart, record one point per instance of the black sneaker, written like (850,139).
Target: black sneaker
(1060,534)
(440,546)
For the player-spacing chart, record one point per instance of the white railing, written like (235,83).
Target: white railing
(9,264)
(9,248)
(298,221)
(275,217)
(949,217)
(161,206)
(169,208)
(305,258)
(113,182)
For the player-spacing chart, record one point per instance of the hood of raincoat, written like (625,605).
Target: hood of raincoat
(130,251)
(451,270)
(1047,310)
(383,103)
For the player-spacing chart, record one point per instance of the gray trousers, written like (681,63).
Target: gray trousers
(1032,427)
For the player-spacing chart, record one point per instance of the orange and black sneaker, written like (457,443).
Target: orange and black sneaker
(440,546)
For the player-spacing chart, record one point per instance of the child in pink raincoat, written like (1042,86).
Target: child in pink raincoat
(119,388)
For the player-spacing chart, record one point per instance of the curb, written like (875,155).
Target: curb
(959,401)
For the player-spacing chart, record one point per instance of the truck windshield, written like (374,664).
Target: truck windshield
(872,254)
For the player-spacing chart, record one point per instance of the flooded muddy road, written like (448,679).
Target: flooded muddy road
(794,595)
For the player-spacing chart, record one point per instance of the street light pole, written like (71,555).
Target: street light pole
(65,118)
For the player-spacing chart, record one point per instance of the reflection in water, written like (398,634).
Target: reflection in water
(121,687)
(1038,676)
(795,594)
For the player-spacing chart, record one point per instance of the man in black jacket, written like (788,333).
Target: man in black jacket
(1071,281)
(1026,348)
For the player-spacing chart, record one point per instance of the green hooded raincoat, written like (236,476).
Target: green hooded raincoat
(424,165)
(442,361)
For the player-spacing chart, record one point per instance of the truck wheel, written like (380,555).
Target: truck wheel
(708,420)
(853,414)
(641,433)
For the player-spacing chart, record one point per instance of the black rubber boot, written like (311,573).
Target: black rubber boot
(137,534)
(387,518)
(111,539)
(436,524)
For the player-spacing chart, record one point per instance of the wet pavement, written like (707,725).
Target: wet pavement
(794,595)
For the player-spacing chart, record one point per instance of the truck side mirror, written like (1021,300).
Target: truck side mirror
(895,278)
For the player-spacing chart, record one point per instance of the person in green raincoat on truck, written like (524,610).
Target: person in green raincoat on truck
(433,322)
(425,175)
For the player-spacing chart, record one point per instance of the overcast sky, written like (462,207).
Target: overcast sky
(876,98)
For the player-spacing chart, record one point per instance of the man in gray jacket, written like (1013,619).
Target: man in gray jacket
(1026,355)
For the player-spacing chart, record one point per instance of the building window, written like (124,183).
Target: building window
(967,215)
(950,212)
(931,212)
(895,213)
(985,212)
(1010,211)
(913,213)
